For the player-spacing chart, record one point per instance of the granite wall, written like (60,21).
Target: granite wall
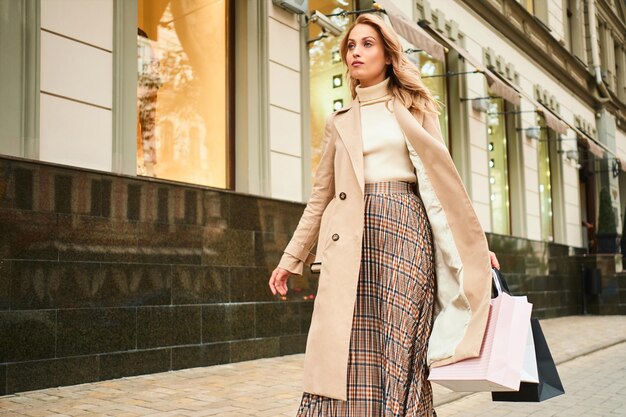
(104,276)
(548,273)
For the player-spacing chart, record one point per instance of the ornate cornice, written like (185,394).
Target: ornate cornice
(529,34)
(610,16)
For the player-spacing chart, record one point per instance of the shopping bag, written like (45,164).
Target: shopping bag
(499,365)
(549,384)
(529,369)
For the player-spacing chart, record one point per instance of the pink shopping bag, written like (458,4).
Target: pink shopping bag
(500,363)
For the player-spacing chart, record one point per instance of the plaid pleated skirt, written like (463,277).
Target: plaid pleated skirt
(387,370)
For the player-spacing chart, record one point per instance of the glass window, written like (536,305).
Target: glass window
(545,182)
(529,5)
(432,72)
(574,28)
(498,166)
(329,90)
(182,94)
(568,25)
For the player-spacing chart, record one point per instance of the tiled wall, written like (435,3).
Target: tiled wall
(545,272)
(104,276)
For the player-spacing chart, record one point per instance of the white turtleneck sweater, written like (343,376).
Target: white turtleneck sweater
(385,154)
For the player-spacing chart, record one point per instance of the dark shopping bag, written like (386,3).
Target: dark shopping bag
(549,382)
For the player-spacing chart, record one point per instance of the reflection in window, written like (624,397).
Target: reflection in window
(432,72)
(545,183)
(181,91)
(498,166)
(329,89)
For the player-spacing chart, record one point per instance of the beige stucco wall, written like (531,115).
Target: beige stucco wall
(531,72)
(620,141)
(285,104)
(76,83)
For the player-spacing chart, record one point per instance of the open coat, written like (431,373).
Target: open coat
(334,219)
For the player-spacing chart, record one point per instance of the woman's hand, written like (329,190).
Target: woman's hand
(494,260)
(278,281)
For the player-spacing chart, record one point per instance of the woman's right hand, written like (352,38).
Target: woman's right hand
(278,281)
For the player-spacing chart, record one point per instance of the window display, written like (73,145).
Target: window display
(182,130)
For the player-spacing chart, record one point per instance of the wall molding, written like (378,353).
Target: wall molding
(524,30)
(124,112)
(31,80)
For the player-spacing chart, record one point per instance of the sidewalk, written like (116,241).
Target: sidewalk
(591,351)
(594,386)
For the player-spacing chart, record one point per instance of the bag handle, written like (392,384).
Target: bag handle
(496,281)
(499,283)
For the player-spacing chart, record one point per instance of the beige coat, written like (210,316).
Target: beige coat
(334,219)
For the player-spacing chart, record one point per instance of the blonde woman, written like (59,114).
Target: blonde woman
(405,268)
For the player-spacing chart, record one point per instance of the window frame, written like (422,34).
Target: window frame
(505,109)
(124,110)
(26,145)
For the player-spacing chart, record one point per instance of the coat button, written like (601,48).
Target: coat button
(335,237)
(342,195)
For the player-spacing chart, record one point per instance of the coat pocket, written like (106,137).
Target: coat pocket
(325,224)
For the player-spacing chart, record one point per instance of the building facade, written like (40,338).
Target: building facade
(156,157)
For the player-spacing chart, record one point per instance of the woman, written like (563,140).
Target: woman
(405,269)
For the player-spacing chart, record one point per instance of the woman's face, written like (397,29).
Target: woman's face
(365,55)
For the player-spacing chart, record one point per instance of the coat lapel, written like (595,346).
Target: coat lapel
(461,253)
(348,124)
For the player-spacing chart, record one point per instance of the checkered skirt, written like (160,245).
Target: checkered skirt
(387,370)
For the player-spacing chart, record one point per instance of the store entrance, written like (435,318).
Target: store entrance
(587,187)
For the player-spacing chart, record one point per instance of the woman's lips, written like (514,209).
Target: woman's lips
(357,63)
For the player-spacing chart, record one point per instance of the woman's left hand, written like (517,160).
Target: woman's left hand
(494,260)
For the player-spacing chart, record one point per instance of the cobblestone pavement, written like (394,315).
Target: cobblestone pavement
(591,351)
(594,385)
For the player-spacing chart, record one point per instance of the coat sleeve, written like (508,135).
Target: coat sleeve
(298,250)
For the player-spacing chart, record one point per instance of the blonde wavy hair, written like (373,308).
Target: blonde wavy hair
(405,81)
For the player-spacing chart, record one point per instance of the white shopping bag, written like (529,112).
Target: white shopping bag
(529,369)
(499,365)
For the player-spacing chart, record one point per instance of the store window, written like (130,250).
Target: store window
(329,90)
(433,74)
(498,166)
(545,181)
(182,91)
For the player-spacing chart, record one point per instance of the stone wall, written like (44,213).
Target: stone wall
(547,273)
(105,276)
